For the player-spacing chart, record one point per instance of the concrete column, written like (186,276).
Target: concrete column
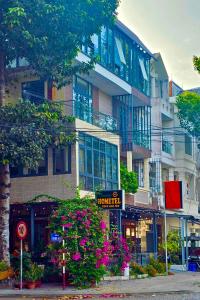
(159,185)
(155,236)
(182,224)
(146,173)
(182,178)
(153,87)
(129,161)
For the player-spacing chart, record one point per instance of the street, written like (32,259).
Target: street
(173,296)
(181,286)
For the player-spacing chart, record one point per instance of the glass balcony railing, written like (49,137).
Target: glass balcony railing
(167,147)
(88,114)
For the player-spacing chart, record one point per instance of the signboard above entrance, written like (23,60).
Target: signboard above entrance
(114,199)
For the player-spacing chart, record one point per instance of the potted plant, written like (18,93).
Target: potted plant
(33,276)
(5,271)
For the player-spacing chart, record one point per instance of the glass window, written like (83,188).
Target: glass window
(104,46)
(98,164)
(122,56)
(139,169)
(89,161)
(95,42)
(33,91)
(61,160)
(42,169)
(142,66)
(188,144)
(120,50)
(82,160)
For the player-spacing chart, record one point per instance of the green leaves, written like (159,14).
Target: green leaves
(27,130)
(188,104)
(49,33)
(129,181)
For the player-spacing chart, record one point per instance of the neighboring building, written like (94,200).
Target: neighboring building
(174,151)
(113,122)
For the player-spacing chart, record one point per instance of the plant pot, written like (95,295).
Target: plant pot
(31,284)
(17,285)
(38,283)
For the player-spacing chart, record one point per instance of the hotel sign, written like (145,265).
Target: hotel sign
(114,199)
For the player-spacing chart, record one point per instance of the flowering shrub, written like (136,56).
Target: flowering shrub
(79,223)
(120,253)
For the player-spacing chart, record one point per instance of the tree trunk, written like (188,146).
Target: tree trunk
(2,79)
(4,212)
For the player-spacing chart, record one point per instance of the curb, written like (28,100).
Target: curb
(92,296)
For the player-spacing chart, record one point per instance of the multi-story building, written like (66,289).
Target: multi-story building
(112,108)
(174,152)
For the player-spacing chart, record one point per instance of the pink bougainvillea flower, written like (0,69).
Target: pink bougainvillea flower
(102,225)
(98,252)
(68,225)
(83,241)
(84,213)
(106,244)
(105,260)
(124,265)
(76,256)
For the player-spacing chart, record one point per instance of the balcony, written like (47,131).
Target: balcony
(88,114)
(167,147)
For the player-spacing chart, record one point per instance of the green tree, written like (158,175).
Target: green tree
(196,61)
(129,181)
(188,104)
(26,130)
(173,246)
(49,34)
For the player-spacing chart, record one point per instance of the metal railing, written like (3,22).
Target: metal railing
(87,113)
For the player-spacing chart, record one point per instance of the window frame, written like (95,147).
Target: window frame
(21,169)
(68,159)
(104,181)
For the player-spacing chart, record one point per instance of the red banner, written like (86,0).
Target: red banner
(173,195)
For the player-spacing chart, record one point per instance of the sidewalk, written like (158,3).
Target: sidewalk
(186,282)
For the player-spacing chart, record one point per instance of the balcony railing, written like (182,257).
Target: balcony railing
(167,147)
(88,114)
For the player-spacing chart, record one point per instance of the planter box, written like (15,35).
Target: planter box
(115,278)
(140,276)
(6,274)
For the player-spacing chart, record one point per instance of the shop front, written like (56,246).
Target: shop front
(36,216)
(142,228)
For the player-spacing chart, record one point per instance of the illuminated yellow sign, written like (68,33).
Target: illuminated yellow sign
(110,199)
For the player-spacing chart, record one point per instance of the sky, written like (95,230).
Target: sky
(171,27)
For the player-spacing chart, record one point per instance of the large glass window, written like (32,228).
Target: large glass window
(62,160)
(98,163)
(121,55)
(82,94)
(41,170)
